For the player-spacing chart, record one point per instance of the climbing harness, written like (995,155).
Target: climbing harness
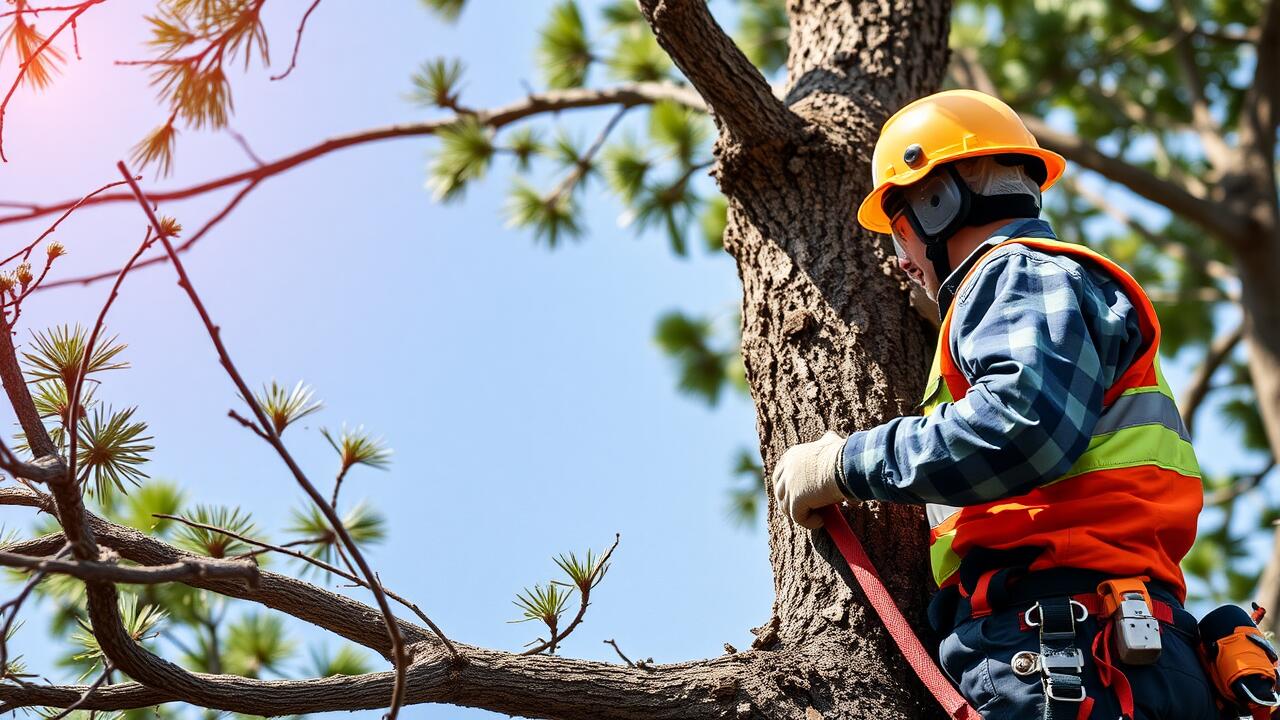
(882,602)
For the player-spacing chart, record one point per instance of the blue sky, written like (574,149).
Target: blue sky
(528,408)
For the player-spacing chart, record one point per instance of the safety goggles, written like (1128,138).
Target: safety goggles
(895,206)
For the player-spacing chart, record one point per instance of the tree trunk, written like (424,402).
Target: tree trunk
(830,340)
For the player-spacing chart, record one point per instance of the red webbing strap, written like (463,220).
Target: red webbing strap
(882,602)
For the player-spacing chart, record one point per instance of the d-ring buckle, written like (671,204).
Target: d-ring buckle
(1026,617)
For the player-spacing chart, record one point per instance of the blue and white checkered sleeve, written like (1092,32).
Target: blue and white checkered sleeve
(1020,336)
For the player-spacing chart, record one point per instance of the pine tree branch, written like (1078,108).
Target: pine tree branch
(740,99)
(131,658)
(533,105)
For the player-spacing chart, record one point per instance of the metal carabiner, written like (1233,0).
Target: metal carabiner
(1026,617)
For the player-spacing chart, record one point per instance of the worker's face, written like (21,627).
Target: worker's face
(912,258)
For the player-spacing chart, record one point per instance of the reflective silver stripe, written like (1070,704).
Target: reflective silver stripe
(938,514)
(1146,408)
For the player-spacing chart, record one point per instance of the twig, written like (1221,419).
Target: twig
(286,550)
(136,575)
(534,104)
(1240,486)
(25,252)
(247,423)
(22,71)
(1198,388)
(393,630)
(159,259)
(293,61)
(244,145)
(584,594)
(106,674)
(584,163)
(618,650)
(73,425)
(11,608)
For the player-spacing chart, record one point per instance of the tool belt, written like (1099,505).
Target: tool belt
(1053,603)
(1240,661)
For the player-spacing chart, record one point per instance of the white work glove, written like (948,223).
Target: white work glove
(805,479)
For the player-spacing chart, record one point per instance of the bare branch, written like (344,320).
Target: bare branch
(161,259)
(1183,253)
(111,572)
(1198,387)
(1216,148)
(297,43)
(535,104)
(739,97)
(1204,213)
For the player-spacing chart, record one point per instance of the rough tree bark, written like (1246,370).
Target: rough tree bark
(830,340)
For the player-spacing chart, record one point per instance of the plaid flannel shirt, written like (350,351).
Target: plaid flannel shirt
(1039,337)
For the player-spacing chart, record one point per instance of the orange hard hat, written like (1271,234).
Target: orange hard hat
(943,127)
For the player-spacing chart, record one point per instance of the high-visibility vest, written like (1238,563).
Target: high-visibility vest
(1129,504)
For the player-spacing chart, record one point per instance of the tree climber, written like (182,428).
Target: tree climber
(1058,478)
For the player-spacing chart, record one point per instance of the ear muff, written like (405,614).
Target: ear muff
(942,203)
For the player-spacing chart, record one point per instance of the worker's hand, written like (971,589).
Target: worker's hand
(805,479)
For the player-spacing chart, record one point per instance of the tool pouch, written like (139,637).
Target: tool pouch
(1126,602)
(1240,661)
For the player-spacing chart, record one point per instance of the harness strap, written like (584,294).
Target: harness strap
(1061,662)
(882,602)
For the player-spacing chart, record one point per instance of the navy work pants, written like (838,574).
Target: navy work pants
(977,656)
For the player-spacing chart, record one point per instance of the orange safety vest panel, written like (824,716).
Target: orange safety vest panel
(1129,504)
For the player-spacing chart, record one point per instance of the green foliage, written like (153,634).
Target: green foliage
(285,407)
(542,603)
(747,498)
(57,352)
(139,621)
(144,503)
(637,57)
(585,573)
(311,529)
(215,544)
(436,83)
(466,147)
(112,448)
(678,129)
(715,218)
(347,660)
(551,217)
(704,369)
(762,34)
(626,166)
(355,446)
(564,53)
(524,143)
(257,641)
(446,9)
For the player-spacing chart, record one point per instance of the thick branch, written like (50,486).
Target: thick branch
(740,98)
(536,104)
(1206,214)
(536,686)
